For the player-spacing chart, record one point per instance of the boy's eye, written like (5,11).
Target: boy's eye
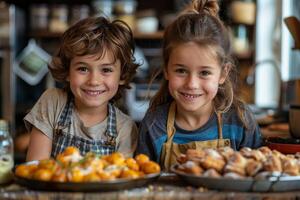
(107,70)
(82,69)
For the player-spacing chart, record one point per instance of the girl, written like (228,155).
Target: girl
(196,105)
(95,62)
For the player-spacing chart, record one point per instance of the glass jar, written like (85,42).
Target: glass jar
(59,18)
(243,11)
(6,153)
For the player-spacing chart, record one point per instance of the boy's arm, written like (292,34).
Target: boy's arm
(39,146)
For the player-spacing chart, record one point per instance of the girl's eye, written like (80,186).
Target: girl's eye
(205,73)
(180,71)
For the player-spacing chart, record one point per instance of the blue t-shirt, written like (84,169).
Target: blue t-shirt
(153,131)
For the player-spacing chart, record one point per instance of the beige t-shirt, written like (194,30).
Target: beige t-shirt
(46,112)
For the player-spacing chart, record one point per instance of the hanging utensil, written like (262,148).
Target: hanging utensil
(293,25)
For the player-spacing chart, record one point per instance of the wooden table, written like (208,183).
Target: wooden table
(163,189)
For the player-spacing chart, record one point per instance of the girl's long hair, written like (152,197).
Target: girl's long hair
(199,23)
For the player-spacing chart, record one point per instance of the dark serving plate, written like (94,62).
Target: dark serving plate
(271,184)
(101,186)
(283,145)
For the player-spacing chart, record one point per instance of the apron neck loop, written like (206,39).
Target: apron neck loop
(171,120)
(219,120)
(65,117)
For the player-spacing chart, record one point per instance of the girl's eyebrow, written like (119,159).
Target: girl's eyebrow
(179,65)
(184,66)
(206,67)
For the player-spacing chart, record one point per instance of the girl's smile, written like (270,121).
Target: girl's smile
(194,75)
(190,97)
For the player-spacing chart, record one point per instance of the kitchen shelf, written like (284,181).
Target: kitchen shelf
(44,34)
(156,35)
(137,35)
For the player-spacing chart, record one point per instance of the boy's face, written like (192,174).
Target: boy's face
(93,80)
(194,75)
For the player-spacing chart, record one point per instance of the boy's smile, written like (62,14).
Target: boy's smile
(94,80)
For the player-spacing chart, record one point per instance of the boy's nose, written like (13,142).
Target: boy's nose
(94,79)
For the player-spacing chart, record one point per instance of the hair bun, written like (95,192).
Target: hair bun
(210,7)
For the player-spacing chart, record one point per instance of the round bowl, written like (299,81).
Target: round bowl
(294,123)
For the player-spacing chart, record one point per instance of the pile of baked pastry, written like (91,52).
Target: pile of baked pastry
(71,166)
(225,162)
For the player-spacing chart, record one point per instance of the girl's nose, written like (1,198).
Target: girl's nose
(192,82)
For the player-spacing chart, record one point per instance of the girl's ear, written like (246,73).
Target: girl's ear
(225,73)
(121,82)
(166,74)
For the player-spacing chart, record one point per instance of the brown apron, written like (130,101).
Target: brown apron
(171,150)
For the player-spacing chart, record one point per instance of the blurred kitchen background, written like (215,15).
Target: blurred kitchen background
(266,54)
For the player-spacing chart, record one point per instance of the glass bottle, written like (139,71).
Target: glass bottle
(6,153)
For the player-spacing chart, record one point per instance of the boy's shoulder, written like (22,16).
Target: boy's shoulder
(54,96)
(122,117)
(54,93)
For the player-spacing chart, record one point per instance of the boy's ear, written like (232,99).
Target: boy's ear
(225,73)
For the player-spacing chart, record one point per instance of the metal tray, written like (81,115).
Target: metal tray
(271,184)
(101,186)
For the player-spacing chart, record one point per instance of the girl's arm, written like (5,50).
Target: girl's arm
(145,143)
(39,146)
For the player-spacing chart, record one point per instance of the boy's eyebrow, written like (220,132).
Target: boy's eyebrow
(104,64)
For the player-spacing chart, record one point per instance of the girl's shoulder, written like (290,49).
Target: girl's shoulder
(158,115)
(233,116)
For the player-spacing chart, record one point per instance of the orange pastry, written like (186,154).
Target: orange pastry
(129,173)
(150,167)
(141,158)
(25,171)
(42,175)
(132,164)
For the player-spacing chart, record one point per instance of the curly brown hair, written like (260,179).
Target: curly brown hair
(96,35)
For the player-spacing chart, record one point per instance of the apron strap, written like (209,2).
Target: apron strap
(220,124)
(65,117)
(166,154)
(111,130)
(171,120)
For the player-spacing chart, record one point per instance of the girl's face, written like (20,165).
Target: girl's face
(194,74)
(93,80)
